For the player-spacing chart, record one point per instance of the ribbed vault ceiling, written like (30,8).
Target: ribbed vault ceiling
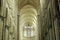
(28,15)
(35,3)
(28,12)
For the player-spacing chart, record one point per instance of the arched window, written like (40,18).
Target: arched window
(28,31)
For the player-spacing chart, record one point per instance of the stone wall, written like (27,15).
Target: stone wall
(8,20)
(12,19)
(49,23)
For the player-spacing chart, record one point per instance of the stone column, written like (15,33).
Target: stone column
(59,4)
(56,29)
(18,26)
(1,26)
(39,27)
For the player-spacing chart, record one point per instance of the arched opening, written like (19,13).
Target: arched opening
(28,23)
